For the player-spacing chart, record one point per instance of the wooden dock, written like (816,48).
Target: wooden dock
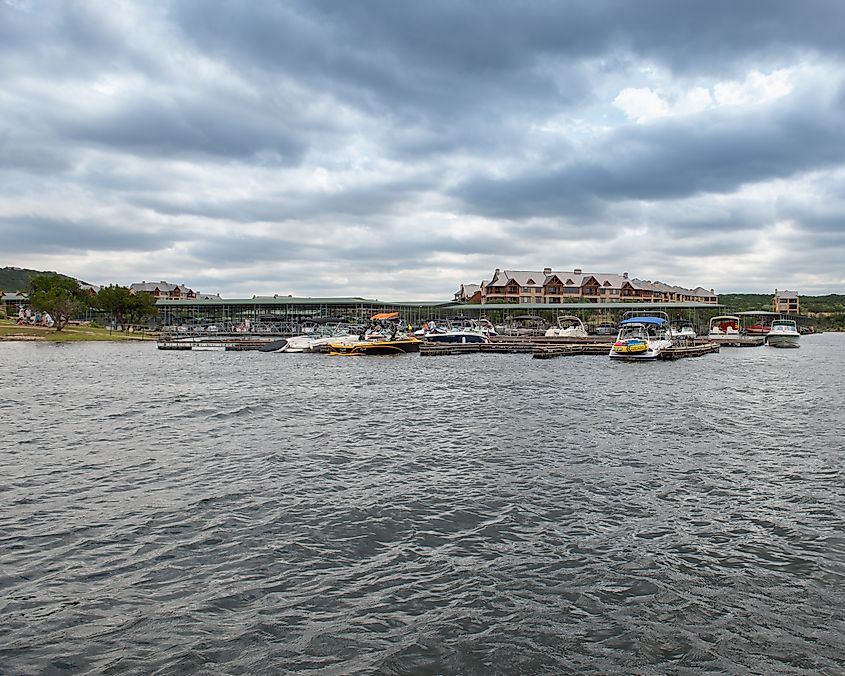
(689,350)
(552,350)
(500,347)
(739,341)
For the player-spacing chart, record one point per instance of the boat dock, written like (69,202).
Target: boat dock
(738,341)
(550,349)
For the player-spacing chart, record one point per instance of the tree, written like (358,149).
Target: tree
(123,305)
(62,297)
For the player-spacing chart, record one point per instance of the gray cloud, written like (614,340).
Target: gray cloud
(28,234)
(307,141)
(708,152)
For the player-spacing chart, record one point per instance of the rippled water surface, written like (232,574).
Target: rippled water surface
(250,512)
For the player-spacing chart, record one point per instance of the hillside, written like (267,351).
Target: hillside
(17,279)
(740,302)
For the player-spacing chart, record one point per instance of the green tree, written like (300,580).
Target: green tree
(123,305)
(62,297)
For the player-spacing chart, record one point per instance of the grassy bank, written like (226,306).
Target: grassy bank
(9,330)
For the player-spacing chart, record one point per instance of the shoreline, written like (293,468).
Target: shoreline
(11,331)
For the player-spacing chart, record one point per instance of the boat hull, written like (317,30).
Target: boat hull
(638,350)
(782,340)
(460,338)
(375,347)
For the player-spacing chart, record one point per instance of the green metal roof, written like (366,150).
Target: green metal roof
(355,301)
(298,300)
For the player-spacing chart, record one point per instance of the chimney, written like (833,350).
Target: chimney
(624,275)
(547,271)
(577,271)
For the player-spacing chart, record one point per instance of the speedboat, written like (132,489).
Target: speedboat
(605,329)
(317,340)
(784,333)
(382,337)
(724,326)
(387,346)
(523,325)
(683,330)
(459,330)
(757,329)
(568,326)
(641,338)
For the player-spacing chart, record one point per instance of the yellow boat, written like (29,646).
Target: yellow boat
(630,346)
(362,347)
(384,338)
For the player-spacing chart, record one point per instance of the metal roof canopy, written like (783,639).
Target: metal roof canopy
(584,306)
(299,300)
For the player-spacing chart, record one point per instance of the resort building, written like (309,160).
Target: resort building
(14,301)
(468,293)
(164,291)
(786,302)
(548,287)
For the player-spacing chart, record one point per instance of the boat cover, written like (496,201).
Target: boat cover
(643,320)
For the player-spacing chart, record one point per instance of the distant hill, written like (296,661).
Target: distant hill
(18,279)
(741,302)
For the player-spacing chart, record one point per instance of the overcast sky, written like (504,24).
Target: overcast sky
(394,149)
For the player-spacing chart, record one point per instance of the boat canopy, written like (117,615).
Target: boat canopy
(643,320)
(384,315)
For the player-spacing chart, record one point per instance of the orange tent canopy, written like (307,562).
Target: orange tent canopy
(385,315)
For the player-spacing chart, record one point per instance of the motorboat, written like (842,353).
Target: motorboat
(523,325)
(487,327)
(461,330)
(683,330)
(568,326)
(387,346)
(724,326)
(605,329)
(318,339)
(784,333)
(757,329)
(383,336)
(641,338)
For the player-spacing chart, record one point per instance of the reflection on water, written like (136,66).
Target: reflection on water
(473,514)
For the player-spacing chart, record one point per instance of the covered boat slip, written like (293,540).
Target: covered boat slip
(285,315)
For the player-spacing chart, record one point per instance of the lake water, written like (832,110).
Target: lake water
(250,512)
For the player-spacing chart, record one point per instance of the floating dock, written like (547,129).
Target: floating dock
(550,350)
(739,341)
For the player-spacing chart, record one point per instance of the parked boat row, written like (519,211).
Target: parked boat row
(727,329)
(641,335)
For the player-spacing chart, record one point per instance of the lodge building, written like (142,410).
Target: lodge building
(552,288)
(786,302)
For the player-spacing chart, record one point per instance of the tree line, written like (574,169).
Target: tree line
(64,298)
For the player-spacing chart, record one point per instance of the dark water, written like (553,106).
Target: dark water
(240,512)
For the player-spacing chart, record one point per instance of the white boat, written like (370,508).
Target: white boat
(683,330)
(641,338)
(315,338)
(784,333)
(724,326)
(568,326)
(461,330)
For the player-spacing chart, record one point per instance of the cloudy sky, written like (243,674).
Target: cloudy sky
(395,149)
